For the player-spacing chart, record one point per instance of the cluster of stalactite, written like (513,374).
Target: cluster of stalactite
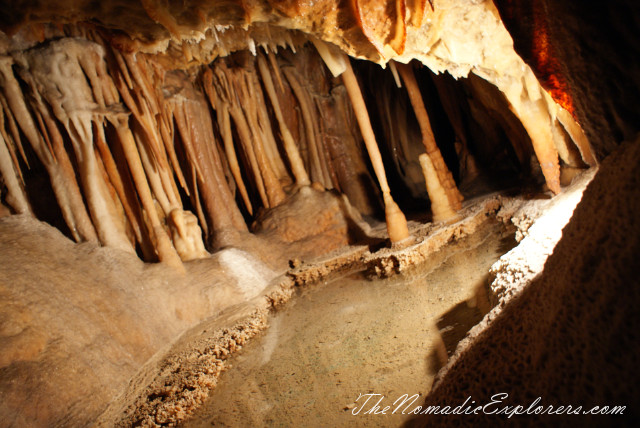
(141,158)
(169,162)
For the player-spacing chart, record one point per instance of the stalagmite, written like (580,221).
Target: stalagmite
(443,174)
(440,207)
(396,221)
(186,235)
(53,157)
(293,154)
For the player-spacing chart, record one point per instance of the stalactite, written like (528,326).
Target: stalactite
(444,175)
(111,191)
(293,154)
(13,135)
(197,202)
(130,197)
(152,172)
(53,157)
(535,119)
(394,72)
(276,69)
(272,186)
(355,179)
(486,100)
(191,114)
(224,83)
(108,94)
(567,151)
(9,173)
(577,135)
(396,221)
(144,103)
(400,134)
(224,123)
(453,109)
(527,101)
(326,155)
(325,162)
(316,169)
(165,250)
(55,72)
(268,138)
(167,134)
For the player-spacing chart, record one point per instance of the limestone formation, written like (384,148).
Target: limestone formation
(162,162)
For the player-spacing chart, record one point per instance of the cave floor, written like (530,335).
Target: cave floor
(352,335)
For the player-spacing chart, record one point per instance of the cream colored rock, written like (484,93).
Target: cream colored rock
(440,206)
(186,235)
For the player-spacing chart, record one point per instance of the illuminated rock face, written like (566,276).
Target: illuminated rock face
(201,134)
(562,338)
(166,128)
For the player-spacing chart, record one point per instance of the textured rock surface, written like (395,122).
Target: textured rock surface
(77,321)
(590,44)
(330,228)
(571,337)
(540,223)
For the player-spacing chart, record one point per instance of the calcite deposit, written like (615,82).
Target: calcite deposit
(165,163)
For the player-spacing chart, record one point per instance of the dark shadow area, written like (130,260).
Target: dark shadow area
(456,323)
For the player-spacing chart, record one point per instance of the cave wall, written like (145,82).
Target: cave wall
(571,337)
(592,50)
(602,76)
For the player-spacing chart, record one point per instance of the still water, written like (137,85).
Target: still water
(350,336)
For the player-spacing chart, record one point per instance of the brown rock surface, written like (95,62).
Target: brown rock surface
(77,321)
(571,337)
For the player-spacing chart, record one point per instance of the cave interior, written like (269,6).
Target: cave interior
(176,175)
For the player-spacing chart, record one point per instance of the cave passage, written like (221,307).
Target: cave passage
(352,335)
(251,212)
